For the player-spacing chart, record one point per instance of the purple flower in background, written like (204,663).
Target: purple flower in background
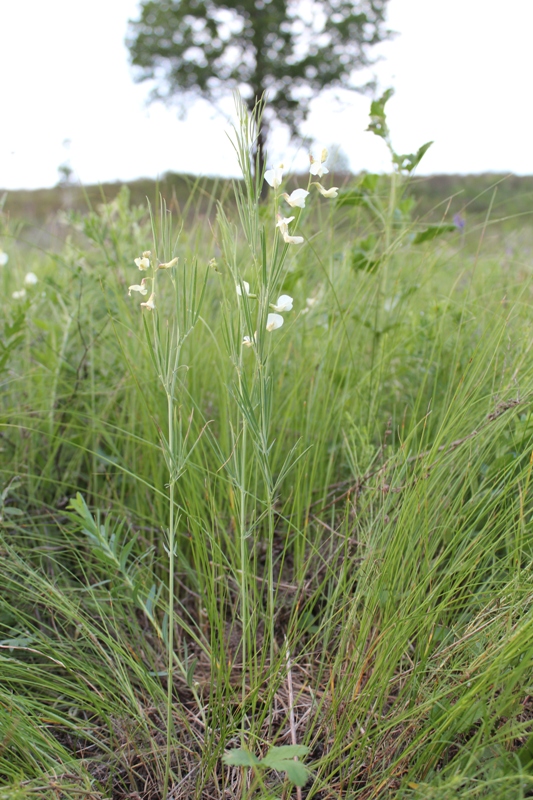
(459,222)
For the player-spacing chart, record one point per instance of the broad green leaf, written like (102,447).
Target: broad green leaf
(12,511)
(364,254)
(351,197)
(432,232)
(358,195)
(369,183)
(361,261)
(409,161)
(420,153)
(378,119)
(277,754)
(240,758)
(281,759)
(18,641)
(297,773)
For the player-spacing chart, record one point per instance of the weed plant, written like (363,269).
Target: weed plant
(285,504)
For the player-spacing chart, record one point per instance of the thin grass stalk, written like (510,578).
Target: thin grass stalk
(244,560)
(170,628)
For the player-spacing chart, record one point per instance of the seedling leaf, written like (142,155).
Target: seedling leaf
(297,773)
(240,758)
(277,754)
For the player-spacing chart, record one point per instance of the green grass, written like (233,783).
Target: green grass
(349,502)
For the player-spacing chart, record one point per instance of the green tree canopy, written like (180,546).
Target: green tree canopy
(288,49)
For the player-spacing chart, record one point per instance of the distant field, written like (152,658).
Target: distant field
(506,195)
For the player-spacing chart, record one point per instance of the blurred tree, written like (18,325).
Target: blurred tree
(288,49)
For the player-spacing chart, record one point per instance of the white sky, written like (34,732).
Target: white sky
(462,70)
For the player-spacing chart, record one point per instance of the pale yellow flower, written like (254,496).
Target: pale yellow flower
(284,303)
(292,239)
(150,303)
(144,261)
(274,176)
(283,225)
(274,321)
(246,288)
(310,303)
(333,192)
(296,198)
(390,303)
(317,165)
(136,287)
(169,264)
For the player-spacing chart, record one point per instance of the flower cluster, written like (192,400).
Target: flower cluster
(274,320)
(144,263)
(318,166)
(30,279)
(297,198)
(283,225)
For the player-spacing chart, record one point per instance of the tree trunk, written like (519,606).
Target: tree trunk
(259,153)
(258,93)
(259,158)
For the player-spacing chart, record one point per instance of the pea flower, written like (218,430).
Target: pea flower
(333,192)
(310,302)
(4,258)
(284,304)
(249,341)
(169,264)
(296,198)
(274,176)
(390,303)
(142,288)
(144,261)
(150,303)
(246,288)
(283,225)
(317,166)
(19,295)
(31,279)
(274,321)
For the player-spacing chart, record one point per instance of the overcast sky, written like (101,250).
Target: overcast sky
(462,71)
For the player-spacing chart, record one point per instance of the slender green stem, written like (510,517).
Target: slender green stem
(382,281)
(271,610)
(244,593)
(170,635)
(264,404)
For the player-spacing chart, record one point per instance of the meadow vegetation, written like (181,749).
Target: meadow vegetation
(222,535)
